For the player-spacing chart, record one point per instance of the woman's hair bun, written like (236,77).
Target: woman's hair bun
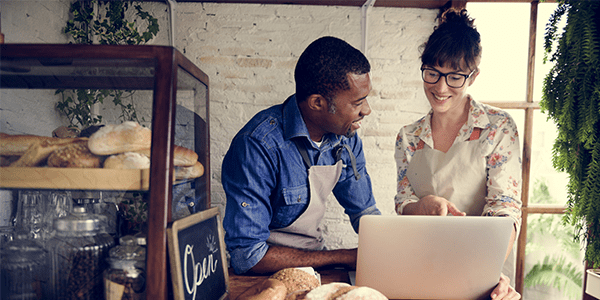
(455,17)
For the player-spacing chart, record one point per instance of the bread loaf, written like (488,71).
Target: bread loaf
(125,137)
(74,156)
(296,279)
(269,289)
(127,160)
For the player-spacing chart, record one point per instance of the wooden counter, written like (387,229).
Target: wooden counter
(239,283)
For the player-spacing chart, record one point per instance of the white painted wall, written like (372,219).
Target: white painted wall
(249,52)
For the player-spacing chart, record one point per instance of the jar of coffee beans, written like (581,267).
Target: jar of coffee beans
(125,279)
(78,254)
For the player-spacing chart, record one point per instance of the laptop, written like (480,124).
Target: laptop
(432,257)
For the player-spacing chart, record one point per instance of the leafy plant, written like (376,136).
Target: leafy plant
(557,270)
(571,97)
(109,26)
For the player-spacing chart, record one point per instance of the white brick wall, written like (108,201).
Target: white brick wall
(249,52)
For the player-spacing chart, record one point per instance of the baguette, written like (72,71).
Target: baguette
(40,151)
(182,157)
(194,171)
(19,144)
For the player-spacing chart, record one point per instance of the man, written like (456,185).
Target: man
(287,159)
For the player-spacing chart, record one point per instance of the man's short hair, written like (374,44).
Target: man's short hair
(323,68)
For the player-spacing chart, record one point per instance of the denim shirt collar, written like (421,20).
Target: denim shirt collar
(294,125)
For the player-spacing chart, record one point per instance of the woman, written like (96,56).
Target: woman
(463,157)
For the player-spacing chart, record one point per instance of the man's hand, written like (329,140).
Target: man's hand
(504,291)
(433,205)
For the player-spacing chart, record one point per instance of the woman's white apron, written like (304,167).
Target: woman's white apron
(458,175)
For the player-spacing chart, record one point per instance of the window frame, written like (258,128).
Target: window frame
(528,106)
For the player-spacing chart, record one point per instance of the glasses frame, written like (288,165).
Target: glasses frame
(445,75)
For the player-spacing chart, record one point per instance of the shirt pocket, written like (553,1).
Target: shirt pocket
(295,201)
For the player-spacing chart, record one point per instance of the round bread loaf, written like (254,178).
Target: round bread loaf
(296,279)
(127,160)
(125,137)
(338,291)
(269,289)
(74,156)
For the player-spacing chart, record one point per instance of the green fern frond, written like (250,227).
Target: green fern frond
(555,272)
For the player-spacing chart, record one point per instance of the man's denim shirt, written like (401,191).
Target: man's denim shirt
(266,181)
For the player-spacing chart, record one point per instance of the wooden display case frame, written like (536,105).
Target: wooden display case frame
(165,62)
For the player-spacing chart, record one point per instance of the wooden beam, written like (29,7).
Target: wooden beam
(513,105)
(431,4)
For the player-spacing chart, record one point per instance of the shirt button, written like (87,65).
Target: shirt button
(272,122)
(299,198)
(244,204)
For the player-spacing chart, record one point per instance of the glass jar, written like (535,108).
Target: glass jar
(126,278)
(78,252)
(24,269)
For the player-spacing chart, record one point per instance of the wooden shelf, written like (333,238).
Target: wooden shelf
(80,179)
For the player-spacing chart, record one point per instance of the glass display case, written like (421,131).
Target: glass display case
(155,86)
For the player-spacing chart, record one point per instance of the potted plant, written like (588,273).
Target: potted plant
(571,98)
(107,23)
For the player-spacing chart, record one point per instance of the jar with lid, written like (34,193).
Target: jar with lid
(126,278)
(24,269)
(78,252)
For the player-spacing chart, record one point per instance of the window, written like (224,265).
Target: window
(512,72)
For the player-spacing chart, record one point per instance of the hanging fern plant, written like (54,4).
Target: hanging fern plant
(571,98)
(105,22)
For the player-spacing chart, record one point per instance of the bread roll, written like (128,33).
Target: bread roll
(194,171)
(182,157)
(127,160)
(338,291)
(296,279)
(74,156)
(269,289)
(125,137)
(361,293)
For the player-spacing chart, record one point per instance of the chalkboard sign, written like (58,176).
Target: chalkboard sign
(197,256)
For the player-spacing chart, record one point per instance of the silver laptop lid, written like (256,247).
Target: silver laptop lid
(432,257)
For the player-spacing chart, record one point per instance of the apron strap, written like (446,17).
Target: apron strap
(338,156)
(303,152)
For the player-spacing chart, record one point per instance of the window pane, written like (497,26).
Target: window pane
(552,257)
(505,45)
(542,171)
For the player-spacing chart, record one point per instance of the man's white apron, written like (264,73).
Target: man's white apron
(305,232)
(458,175)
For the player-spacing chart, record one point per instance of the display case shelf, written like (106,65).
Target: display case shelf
(179,114)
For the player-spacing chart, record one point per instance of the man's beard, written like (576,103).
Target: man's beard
(350,133)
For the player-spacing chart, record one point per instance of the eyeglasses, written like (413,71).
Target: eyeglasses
(453,80)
